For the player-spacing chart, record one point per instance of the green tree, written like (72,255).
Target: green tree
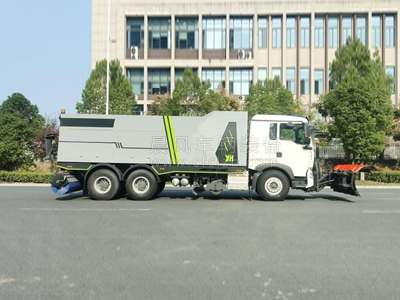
(193,97)
(271,98)
(395,128)
(166,105)
(20,121)
(121,99)
(359,102)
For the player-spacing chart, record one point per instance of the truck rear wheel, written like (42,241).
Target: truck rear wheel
(273,185)
(103,184)
(141,185)
(160,187)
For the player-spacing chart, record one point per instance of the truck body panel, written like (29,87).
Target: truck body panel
(211,140)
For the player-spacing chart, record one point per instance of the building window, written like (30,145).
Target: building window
(187,33)
(262,32)
(240,81)
(376,31)
(136,77)
(390,32)
(347,29)
(290,80)
(276,32)
(262,75)
(291,32)
(305,81)
(333,32)
(391,72)
(214,33)
(361,29)
(138,110)
(318,82)
(276,72)
(159,81)
(241,33)
(319,32)
(179,73)
(159,33)
(216,77)
(135,33)
(305,32)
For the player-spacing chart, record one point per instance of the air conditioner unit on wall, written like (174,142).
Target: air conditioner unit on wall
(248,54)
(244,54)
(134,52)
(241,54)
(241,97)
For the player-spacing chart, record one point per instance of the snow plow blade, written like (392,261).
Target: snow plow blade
(343,178)
(63,183)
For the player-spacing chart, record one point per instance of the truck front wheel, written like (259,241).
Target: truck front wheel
(141,185)
(273,185)
(103,184)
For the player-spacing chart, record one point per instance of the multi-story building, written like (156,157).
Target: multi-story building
(235,43)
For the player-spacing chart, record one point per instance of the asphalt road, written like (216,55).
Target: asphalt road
(321,246)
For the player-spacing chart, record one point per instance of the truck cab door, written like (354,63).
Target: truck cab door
(294,148)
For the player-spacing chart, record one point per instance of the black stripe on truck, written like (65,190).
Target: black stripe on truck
(81,122)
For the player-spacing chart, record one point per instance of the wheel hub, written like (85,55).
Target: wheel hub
(102,185)
(273,186)
(141,185)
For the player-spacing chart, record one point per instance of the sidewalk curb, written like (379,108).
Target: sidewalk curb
(19,184)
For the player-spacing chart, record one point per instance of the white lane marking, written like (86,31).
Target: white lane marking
(86,209)
(381,211)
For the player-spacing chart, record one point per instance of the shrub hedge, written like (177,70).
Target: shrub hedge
(34,177)
(385,177)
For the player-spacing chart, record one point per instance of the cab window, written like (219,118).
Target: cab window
(273,131)
(292,132)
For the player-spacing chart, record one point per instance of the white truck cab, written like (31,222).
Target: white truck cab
(281,139)
(282,143)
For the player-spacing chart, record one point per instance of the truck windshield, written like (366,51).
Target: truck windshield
(293,132)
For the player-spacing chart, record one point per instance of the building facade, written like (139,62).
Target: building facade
(236,43)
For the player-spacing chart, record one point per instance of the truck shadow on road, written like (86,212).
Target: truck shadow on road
(243,195)
(224,196)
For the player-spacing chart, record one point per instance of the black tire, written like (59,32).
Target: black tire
(141,185)
(103,184)
(160,187)
(121,192)
(273,185)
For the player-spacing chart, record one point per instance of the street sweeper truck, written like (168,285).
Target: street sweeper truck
(107,156)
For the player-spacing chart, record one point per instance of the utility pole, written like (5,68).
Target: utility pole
(108,58)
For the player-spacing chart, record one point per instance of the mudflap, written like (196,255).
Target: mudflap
(64,183)
(342,178)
